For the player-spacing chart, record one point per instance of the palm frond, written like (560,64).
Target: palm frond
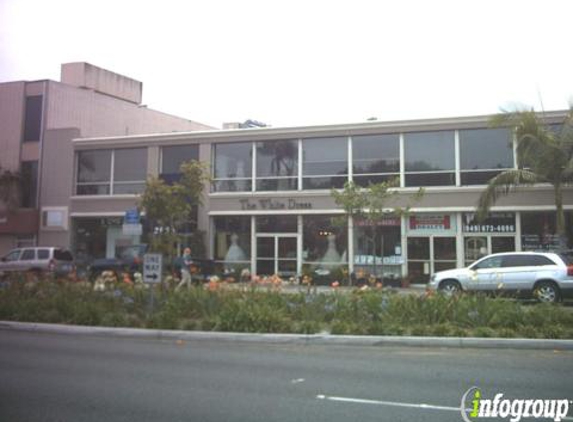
(503,184)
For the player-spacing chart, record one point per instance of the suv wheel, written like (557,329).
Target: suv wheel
(450,287)
(547,292)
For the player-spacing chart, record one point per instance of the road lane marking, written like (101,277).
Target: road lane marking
(424,406)
(297,381)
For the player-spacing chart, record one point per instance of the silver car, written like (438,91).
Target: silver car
(37,259)
(543,275)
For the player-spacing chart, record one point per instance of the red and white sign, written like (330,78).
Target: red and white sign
(430,222)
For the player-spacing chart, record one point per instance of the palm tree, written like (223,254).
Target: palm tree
(544,155)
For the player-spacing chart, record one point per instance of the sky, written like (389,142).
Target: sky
(305,62)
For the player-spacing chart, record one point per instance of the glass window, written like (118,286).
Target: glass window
(375,158)
(277,165)
(43,253)
(429,158)
(29,183)
(130,170)
(325,163)
(173,156)
(276,224)
(233,167)
(325,242)
(483,150)
(12,255)
(33,118)
(493,262)
(377,249)
(28,255)
(233,242)
(94,172)
(419,259)
(538,231)
(25,240)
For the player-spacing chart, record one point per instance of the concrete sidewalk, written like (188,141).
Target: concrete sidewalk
(300,339)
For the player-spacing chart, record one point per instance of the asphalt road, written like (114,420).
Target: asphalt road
(50,377)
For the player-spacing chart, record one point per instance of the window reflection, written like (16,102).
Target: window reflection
(325,163)
(277,165)
(375,158)
(233,167)
(482,151)
(429,158)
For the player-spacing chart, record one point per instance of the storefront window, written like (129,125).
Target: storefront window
(130,170)
(325,243)
(173,156)
(94,172)
(429,158)
(276,224)
(233,242)
(377,250)
(232,167)
(375,159)
(325,163)
(484,153)
(277,165)
(444,253)
(419,259)
(538,231)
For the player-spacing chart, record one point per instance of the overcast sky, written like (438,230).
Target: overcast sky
(292,62)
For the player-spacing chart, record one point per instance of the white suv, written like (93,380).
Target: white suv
(37,259)
(543,275)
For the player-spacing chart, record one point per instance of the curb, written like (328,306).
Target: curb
(301,339)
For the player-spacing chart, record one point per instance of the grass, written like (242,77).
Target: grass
(255,311)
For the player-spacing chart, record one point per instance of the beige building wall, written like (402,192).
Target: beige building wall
(11,123)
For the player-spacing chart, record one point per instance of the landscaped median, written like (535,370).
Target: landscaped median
(249,310)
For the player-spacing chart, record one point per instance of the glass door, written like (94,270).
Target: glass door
(277,254)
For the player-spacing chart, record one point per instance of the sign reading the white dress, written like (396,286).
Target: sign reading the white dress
(274,204)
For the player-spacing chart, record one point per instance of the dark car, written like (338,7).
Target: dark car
(130,260)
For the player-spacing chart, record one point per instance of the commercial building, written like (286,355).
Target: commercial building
(39,119)
(269,208)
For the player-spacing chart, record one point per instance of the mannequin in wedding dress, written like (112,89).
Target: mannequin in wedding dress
(235,253)
(331,258)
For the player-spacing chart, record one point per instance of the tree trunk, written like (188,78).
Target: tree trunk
(560,216)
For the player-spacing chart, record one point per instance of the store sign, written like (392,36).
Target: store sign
(431,222)
(274,204)
(385,222)
(494,223)
(131,216)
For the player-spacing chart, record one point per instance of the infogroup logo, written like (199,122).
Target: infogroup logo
(474,407)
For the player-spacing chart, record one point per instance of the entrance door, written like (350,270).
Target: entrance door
(277,254)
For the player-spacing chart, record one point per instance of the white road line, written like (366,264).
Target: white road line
(400,404)
(388,403)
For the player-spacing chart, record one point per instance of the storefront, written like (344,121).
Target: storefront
(269,208)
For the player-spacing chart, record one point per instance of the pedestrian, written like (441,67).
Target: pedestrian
(186,264)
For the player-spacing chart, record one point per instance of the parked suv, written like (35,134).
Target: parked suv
(38,259)
(543,275)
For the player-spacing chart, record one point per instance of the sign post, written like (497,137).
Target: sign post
(152,270)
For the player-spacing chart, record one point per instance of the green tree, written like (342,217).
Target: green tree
(544,155)
(10,188)
(371,205)
(169,207)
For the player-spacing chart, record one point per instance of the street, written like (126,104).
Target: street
(50,377)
